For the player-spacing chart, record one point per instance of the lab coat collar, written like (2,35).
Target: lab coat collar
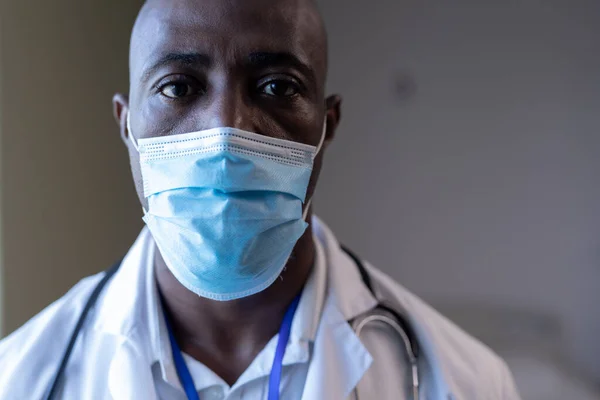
(131,311)
(345,281)
(125,307)
(126,316)
(339,358)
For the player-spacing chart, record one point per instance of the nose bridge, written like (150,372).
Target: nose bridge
(229,108)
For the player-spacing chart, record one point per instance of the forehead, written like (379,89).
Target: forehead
(228,29)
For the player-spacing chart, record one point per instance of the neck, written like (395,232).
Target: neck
(227,336)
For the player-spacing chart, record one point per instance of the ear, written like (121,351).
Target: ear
(334,114)
(120,110)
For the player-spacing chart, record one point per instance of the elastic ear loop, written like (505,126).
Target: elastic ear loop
(319,147)
(135,145)
(323,134)
(130,133)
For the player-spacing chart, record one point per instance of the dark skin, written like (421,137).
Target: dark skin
(257,65)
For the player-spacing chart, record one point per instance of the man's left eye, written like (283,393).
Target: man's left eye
(280,88)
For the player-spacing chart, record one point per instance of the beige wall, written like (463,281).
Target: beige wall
(68,207)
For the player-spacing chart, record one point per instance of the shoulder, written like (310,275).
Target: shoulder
(470,367)
(41,341)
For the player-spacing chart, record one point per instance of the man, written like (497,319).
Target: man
(229,293)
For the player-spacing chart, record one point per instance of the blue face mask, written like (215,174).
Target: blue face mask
(225,206)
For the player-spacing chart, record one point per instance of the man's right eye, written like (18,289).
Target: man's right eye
(177,90)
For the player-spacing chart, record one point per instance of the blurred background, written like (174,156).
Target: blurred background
(466,165)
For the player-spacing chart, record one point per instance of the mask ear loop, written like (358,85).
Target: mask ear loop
(322,140)
(319,147)
(130,133)
(135,145)
(306,208)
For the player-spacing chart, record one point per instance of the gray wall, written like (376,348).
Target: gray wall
(68,206)
(482,187)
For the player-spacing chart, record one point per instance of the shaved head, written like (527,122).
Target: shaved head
(256,65)
(289,23)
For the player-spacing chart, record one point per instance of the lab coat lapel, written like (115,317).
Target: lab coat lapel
(354,299)
(339,358)
(130,376)
(444,382)
(126,320)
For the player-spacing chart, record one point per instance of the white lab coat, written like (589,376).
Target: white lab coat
(108,363)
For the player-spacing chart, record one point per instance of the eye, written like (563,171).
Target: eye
(179,86)
(176,90)
(280,88)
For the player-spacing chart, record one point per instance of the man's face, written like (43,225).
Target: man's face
(256,65)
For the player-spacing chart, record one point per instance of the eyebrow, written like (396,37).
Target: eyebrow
(188,59)
(262,60)
(257,60)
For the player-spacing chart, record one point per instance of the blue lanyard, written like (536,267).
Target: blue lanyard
(274,377)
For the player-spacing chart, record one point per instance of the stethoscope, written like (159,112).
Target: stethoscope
(384,314)
(380,314)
